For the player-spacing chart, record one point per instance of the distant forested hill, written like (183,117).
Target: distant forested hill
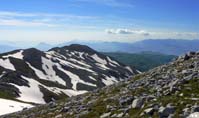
(142,61)
(164,46)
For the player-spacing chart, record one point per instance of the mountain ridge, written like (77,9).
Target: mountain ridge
(36,76)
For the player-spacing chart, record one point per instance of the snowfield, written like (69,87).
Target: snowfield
(17,55)
(31,93)
(98,59)
(7,64)
(9,106)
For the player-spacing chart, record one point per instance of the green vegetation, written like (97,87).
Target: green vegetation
(6,95)
(142,61)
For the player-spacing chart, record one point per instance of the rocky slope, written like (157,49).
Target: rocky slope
(168,91)
(37,77)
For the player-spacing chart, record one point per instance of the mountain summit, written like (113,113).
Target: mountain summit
(38,77)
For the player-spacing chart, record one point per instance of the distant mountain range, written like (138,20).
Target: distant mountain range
(6,48)
(142,61)
(34,76)
(165,46)
(43,46)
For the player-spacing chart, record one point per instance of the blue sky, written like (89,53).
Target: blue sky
(56,21)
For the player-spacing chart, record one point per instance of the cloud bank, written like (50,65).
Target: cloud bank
(140,34)
(127,31)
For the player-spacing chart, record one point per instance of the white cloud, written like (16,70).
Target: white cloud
(127,31)
(192,34)
(23,23)
(165,34)
(130,34)
(8,14)
(38,19)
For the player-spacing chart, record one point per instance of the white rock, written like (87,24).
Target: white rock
(105,115)
(194,115)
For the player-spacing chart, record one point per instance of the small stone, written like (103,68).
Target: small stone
(125,100)
(25,108)
(181,94)
(120,115)
(105,115)
(52,104)
(65,109)
(58,116)
(149,111)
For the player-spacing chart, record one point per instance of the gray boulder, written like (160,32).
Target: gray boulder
(127,100)
(149,111)
(137,103)
(166,111)
(195,109)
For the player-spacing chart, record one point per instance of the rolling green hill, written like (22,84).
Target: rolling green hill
(142,61)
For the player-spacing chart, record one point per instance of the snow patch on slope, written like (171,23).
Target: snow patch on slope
(92,78)
(9,106)
(51,74)
(32,93)
(68,92)
(39,73)
(17,55)
(113,62)
(80,62)
(75,78)
(2,74)
(70,64)
(81,55)
(5,63)
(109,80)
(102,66)
(98,59)
(47,66)
(128,68)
